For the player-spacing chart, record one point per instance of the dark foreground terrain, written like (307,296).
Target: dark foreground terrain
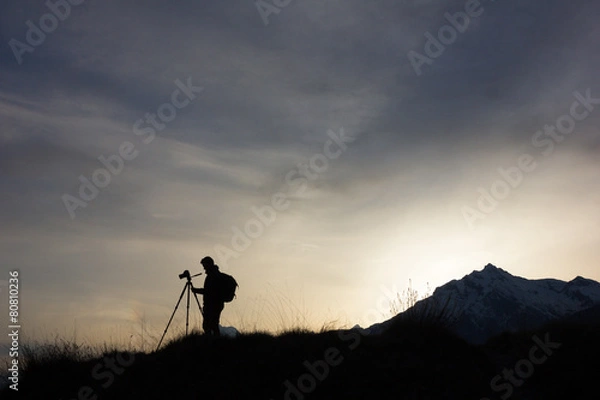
(409,361)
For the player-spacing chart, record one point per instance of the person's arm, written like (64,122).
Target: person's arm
(197,290)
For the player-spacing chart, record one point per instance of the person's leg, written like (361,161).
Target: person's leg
(212,315)
(208,322)
(216,319)
(215,328)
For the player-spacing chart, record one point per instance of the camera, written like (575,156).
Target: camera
(185,274)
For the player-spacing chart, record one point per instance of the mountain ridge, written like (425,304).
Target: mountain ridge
(491,301)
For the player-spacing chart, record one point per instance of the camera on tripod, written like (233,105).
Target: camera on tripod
(187,288)
(185,274)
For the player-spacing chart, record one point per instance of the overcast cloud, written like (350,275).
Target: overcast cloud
(388,209)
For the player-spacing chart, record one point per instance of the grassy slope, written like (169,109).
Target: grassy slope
(410,361)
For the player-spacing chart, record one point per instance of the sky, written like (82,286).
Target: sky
(325,154)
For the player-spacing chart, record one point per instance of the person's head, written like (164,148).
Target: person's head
(209,264)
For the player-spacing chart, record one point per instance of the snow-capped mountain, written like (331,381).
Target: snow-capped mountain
(488,302)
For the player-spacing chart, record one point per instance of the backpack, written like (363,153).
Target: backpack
(227,286)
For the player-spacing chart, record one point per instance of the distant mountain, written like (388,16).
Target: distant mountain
(486,303)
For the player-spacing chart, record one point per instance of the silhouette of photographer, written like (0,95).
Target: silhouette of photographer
(212,296)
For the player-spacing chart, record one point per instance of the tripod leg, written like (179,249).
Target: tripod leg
(199,306)
(172,315)
(187,311)
(198,302)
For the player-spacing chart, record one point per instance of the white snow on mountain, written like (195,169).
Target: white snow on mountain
(488,302)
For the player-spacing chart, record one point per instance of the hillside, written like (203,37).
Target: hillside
(489,335)
(410,361)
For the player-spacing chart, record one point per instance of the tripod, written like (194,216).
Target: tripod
(186,288)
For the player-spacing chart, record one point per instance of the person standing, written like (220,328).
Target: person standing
(212,297)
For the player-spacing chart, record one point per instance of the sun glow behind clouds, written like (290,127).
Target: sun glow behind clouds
(432,259)
(385,212)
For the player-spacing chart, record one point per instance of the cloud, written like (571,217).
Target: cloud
(424,143)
